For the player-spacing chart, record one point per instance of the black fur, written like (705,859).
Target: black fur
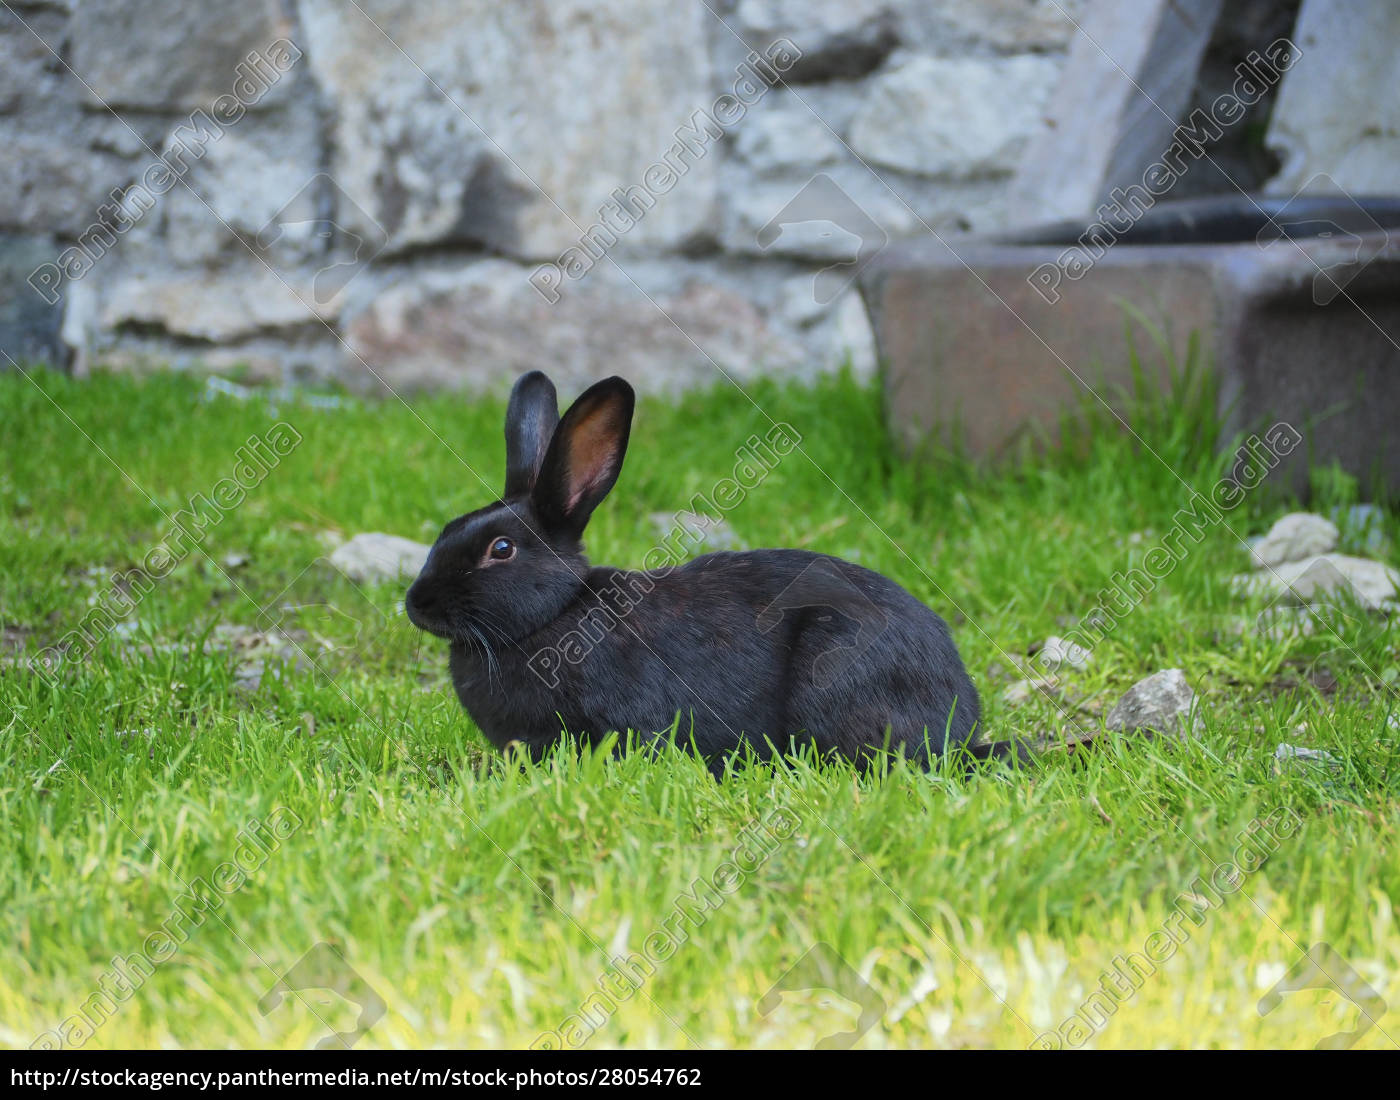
(769,649)
(531,418)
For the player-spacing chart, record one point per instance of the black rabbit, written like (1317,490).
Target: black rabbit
(764,648)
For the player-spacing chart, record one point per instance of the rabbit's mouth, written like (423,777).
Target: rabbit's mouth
(434,625)
(458,633)
(437,629)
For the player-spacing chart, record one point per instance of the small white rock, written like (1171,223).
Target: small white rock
(1286,752)
(373,557)
(1326,578)
(1056,652)
(1296,536)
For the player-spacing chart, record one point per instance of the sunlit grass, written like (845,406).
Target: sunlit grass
(482,902)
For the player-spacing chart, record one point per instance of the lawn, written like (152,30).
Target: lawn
(189,824)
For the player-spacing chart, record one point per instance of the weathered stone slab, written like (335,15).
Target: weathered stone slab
(1344,127)
(1127,80)
(216,306)
(470,327)
(974,353)
(53,176)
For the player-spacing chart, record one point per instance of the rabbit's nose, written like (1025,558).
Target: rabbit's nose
(421,599)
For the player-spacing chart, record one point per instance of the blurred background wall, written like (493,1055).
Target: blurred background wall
(447,192)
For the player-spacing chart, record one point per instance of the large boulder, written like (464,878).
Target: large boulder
(59,165)
(49,181)
(247,189)
(510,125)
(788,131)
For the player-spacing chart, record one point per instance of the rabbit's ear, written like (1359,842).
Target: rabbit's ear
(531,419)
(585,456)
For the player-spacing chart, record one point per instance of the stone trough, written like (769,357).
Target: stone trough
(1295,302)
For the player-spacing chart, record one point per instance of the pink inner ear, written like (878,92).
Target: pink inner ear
(592,453)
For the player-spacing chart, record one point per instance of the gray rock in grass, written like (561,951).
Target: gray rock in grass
(1326,579)
(1161,703)
(1296,536)
(374,557)
(1286,753)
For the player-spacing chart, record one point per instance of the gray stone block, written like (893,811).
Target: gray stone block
(1296,305)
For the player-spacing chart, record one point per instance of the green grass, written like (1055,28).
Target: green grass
(482,901)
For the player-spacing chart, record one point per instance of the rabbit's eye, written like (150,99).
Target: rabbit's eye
(502,549)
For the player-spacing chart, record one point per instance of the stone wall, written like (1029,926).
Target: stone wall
(445,192)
